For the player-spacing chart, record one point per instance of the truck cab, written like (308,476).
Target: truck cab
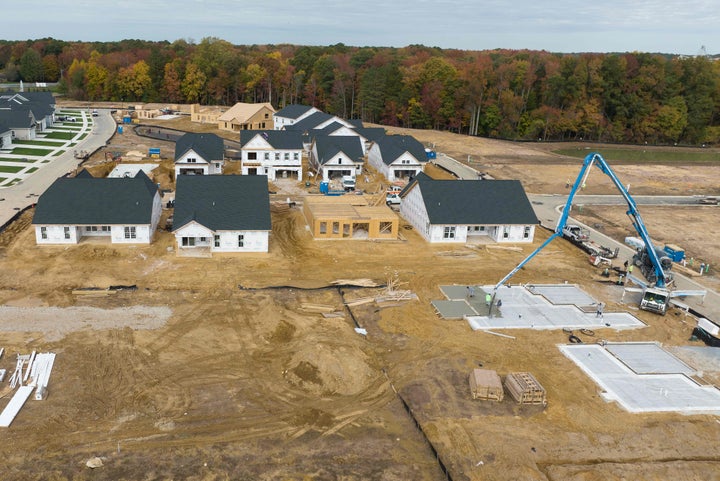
(655,300)
(392,199)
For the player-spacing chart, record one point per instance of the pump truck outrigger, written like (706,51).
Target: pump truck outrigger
(655,294)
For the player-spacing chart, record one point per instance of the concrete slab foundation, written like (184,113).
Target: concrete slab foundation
(639,393)
(649,358)
(532,307)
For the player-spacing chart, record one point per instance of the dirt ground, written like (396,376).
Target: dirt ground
(243,381)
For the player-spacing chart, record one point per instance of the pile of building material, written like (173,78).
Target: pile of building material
(524,388)
(33,369)
(390,296)
(485,384)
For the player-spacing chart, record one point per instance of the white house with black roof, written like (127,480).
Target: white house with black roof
(124,210)
(222,213)
(21,122)
(461,211)
(275,153)
(397,157)
(6,136)
(292,114)
(199,154)
(334,156)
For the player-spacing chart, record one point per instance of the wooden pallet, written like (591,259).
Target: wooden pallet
(486,385)
(525,389)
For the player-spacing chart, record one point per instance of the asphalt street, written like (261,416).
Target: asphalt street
(25,193)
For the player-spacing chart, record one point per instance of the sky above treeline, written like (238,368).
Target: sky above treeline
(662,26)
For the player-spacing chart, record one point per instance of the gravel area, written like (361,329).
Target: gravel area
(56,322)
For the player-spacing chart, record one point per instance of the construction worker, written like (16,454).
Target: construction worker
(630,269)
(488,299)
(599,312)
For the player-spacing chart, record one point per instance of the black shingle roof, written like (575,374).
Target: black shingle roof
(292,111)
(84,200)
(330,145)
(278,139)
(17,118)
(223,202)
(475,202)
(310,122)
(209,146)
(371,133)
(393,146)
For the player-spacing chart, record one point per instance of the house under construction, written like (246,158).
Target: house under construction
(349,217)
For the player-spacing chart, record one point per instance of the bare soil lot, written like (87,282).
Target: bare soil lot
(246,383)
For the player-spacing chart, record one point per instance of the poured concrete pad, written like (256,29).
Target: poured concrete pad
(642,392)
(562,294)
(453,309)
(521,309)
(648,358)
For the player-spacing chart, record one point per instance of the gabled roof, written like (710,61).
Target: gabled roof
(17,118)
(223,202)
(328,146)
(330,128)
(278,139)
(42,104)
(393,146)
(310,122)
(208,146)
(85,200)
(371,133)
(3,129)
(474,202)
(292,111)
(242,112)
(356,123)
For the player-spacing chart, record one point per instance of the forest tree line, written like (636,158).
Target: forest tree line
(511,94)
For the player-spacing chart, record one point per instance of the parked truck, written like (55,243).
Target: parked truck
(581,238)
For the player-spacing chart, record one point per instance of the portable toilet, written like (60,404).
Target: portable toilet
(127,119)
(324,187)
(120,129)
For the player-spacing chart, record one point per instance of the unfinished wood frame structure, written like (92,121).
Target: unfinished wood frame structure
(525,389)
(485,384)
(349,217)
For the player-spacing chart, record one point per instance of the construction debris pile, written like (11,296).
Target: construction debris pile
(486,385)
(32,373)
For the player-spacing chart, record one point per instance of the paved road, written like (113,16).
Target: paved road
(25,193)
(548,208)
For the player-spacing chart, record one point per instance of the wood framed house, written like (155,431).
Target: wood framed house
(291,114)
(199,154)
(242,116)
(124,210)
(275,153)
(397,157)
(461,211)
(222,213)
(337,156)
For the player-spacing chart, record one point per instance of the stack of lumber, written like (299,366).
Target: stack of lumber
(524,388)
(486,385)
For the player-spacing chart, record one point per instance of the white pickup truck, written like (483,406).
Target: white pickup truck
(392,199)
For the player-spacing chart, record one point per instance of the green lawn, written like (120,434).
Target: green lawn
(46,143)
(9,159)
(56,154)
(61,135)
(66,128)
(11,169)
(31,170)
(82,136)
(642,156)
(29,151)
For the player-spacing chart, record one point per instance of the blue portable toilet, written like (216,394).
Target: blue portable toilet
(120,128)
(127,119)
(431,154)
(324,187)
